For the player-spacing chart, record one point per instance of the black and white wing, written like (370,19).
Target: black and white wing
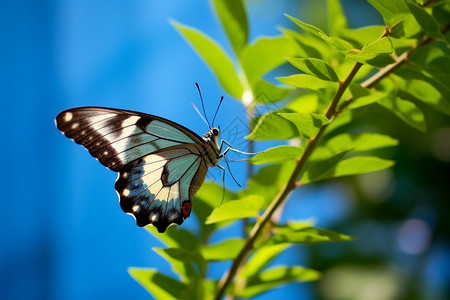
(160,163)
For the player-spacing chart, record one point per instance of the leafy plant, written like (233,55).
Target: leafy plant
(400,67)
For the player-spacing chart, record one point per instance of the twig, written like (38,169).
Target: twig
(300,163)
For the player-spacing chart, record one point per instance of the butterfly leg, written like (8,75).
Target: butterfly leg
(230,147)
(223,183)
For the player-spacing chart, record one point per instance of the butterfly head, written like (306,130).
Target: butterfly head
(212,134)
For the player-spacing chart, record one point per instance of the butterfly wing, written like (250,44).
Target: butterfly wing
(117,137)
(157,189)
(160,163)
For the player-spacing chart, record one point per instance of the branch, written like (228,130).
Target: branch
(330,112)
(384,72)
(287,188)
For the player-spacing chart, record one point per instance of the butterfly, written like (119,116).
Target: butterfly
(160,164)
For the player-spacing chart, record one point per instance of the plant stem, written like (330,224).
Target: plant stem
(330,112)
(286,189)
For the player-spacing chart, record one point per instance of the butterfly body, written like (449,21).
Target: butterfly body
(161,164)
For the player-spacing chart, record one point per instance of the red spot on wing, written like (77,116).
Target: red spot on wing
(186,208)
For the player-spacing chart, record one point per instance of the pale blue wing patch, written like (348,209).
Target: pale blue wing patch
(167,131)
(178,167)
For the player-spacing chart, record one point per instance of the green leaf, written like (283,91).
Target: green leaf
(176,237)
(276,155)
(363,35)
(315,67)
(262,257)
(233,17)
(264,55)
(406,111)
(276,276)
(425,55)
(339,44)
(353,142)
(336,18)
(428,23)
(268,181)
(317,170)
(376,54)
(393,12)
(266,92)
(307,82)
(246,207)
(363,96)
(427,93)
(407,28)
(159,285)
(305,103)
(225,250)
(206,200)
(181,261)
(345,118)
(214,57)
(308,235)
(271,126)
(355,165)
(307,45)
(308,124)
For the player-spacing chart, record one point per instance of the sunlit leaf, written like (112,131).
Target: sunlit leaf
(215,58)
(393,12)
(406,111)
(307,45)
(363,96)
(308,124)
(266,92)
(208,198)
(225,250)
(272,127)
(377,53)
(337,20)
(317,170)
(305,81)
(277,154)
(363,35)
(182,260)
(176,237)
(268,181)
(246,207)
(424,91)
(428,23)
(159,285)
(265,54)
(408,28)
(276,276)
(233,17)
(308,235)
(353,166)
(353,142)
(305,103)
(262,257)
(339,44)
(315,67)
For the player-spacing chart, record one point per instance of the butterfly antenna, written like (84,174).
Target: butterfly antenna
(203,105)
(201,116)
(220,102)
